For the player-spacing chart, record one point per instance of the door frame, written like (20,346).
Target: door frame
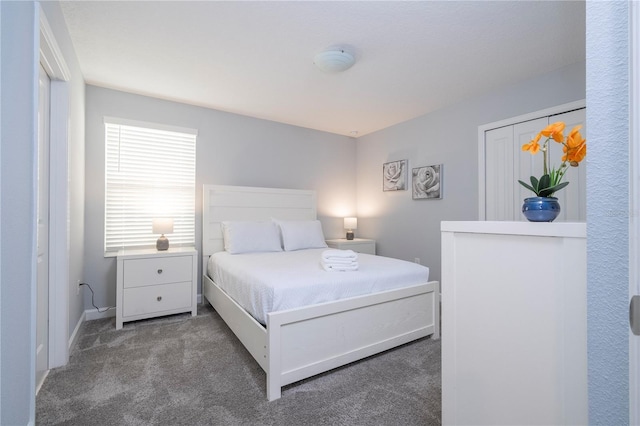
(634,204)
(42,227)
(53,62)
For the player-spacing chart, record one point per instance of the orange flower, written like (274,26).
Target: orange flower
(533,146)
(575,139)
(554,131)
(575,155)
(575,149)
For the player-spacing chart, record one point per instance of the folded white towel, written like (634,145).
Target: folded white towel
(339,254)
(339,261)
(339,268)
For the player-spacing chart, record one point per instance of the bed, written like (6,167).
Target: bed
(295,343)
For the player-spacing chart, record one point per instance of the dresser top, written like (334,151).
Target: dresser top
(344,240)
(542,229)
(172,251)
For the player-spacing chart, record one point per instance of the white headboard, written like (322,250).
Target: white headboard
(220,203)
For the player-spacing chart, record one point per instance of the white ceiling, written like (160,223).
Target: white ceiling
(256,58)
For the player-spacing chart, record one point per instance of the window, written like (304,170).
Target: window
(149,173)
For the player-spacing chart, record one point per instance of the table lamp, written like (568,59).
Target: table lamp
(162,226)
(350,223)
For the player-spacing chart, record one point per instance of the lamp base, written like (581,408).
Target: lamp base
(162,243)
(349,235)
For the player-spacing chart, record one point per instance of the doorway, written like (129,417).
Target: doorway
(56,311)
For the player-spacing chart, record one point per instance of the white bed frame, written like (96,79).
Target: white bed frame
(303,342)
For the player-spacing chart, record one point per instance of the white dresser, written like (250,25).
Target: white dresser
(514,323)
(152,283)
(359,245)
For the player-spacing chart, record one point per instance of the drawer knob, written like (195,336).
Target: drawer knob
(159,298)
(159,271)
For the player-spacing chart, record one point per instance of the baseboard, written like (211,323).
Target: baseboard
(94,314)
(39,385)
(74,335)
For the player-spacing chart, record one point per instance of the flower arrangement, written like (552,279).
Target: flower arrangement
(574,149)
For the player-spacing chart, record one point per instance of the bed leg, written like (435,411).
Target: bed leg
(274,370)
(436,333)
(436,313)
(273,389)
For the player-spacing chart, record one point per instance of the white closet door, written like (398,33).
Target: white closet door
(42,296)
(498,168)
(572,198)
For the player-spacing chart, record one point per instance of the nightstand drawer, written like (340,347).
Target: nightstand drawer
(360,248)
(158,298)
(157,270)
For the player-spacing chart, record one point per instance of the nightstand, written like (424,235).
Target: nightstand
(360,245)
(153,283)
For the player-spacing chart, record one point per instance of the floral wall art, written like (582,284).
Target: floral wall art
(394,175)
(427,182)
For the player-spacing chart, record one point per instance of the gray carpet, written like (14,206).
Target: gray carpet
(181,370)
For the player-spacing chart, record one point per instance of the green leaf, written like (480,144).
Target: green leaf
(534,184)
(555,177)
(545,182)
(527,186)
(549,191)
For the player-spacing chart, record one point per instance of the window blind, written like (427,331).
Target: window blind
(149,173)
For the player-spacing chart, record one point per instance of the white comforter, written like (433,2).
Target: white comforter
(269,282)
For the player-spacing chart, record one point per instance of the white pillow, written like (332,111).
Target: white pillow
(250,237)
(301,234)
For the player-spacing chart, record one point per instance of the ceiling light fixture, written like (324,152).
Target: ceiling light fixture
(334,60)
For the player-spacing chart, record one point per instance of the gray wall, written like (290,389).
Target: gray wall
(608,211)
(19,83)
(406,228)
(19,102)
(231,150)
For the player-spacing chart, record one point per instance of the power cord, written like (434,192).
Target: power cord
(92,301)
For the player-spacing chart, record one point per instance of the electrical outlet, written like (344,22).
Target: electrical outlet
(78,288)
(417,260)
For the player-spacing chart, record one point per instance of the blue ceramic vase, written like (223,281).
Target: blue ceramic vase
(541,209)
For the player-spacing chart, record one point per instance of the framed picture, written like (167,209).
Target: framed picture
(394,175)
(427,182)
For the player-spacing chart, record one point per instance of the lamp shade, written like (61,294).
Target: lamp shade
(163,225)
(350,223)
(335,60)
